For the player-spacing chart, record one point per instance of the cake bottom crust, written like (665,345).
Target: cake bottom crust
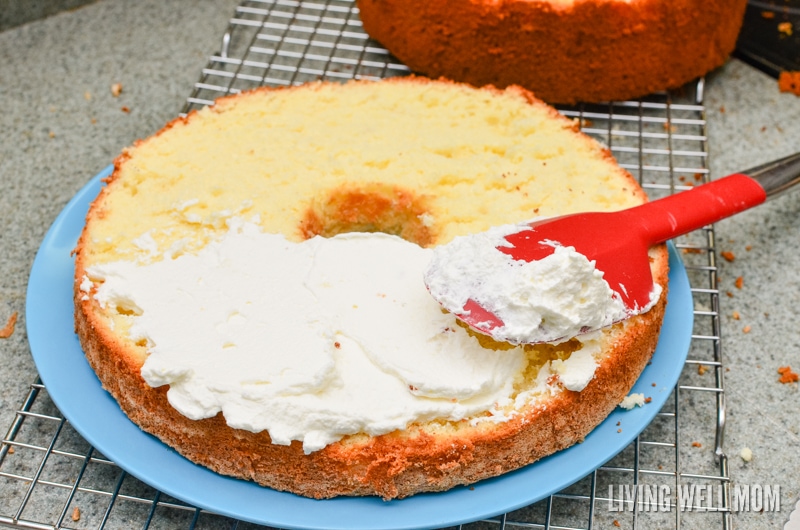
(422,458)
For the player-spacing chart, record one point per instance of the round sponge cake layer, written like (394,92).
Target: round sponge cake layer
(563,50)
(426,160)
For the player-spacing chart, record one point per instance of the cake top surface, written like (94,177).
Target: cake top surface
(448,160)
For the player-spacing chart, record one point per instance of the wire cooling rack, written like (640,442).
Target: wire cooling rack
(55,479)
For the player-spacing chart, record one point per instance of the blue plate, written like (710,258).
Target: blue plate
(76,391)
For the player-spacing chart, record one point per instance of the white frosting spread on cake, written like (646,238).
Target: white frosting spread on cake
(314,340)
(552,299)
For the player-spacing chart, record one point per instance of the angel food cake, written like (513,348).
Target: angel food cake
(249,287)
(565,51)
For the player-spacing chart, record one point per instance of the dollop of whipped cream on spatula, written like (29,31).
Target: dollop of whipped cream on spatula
(552,299)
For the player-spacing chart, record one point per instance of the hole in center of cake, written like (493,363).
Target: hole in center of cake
(370,208)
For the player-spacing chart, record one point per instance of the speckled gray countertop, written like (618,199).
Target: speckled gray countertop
(61,124)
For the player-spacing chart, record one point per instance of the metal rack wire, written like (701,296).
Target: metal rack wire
(57,480)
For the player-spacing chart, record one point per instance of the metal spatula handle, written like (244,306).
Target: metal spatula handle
(777,176)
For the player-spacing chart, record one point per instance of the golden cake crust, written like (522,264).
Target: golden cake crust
(398,464)
(565,51)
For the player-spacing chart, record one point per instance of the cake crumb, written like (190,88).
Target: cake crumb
(7,330)
(632,401)
(736,315)
(728,255)
(789,81)
(648,399)
(125,109)
(697,444)
(746,329)
(76,514)
(116,89)
(10,450)
(427,219)
(746,454)
(785,28)
(748,248)
(787,375)
(739,283)
(87,96)
(616,523)
(701,369)
(768,14)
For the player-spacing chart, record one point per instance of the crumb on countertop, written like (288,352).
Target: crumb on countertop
(728,255)
(789,81)
(7,330)
(116,89)
(787,375)
(746,454)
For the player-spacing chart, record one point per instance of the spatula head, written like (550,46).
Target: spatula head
(607,239)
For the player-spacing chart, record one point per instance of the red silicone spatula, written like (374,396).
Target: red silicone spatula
(618,241)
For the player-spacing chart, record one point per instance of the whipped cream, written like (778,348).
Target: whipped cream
(552,299)
(632,401)
(310,341)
